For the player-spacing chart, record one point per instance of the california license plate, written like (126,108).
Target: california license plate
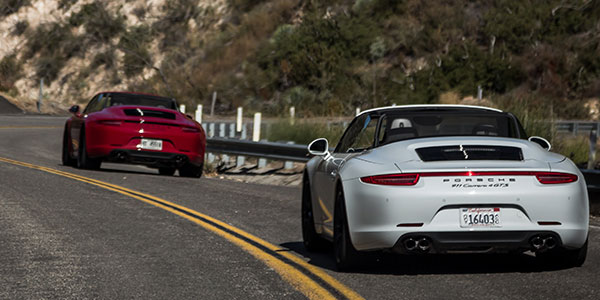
(480,217)
(151,144)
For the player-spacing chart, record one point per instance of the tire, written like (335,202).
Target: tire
(67,160)
(190,170)
(83,160)
(346,256)
(565,258)
(166,171)
(312,240)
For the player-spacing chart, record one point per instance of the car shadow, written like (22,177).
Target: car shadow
(394,264)
(121,171)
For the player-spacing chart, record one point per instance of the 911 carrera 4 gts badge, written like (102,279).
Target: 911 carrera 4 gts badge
(490,182)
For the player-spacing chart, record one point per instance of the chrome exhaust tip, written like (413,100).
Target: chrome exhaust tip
(424,244)
(121,156)
(410,244)
(537,242)
(550,242)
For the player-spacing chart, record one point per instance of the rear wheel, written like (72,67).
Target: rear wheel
(83,160)
(166,171)
(346,257)
(190,170)
(312,240)
(564,257)
(67,160)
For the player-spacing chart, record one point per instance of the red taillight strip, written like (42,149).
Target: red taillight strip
(110,122)
(413,178)
(392,179)
(554,177)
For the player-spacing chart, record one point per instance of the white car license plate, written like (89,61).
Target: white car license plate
(480,217)
(150,144)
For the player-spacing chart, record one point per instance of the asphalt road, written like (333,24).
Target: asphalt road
(65,236)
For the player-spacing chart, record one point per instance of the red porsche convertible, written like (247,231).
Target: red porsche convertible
(134,128)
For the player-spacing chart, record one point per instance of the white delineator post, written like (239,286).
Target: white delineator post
(256,137)
(357,111)
(199,113)
(182,108)
(239,119)
(256,128)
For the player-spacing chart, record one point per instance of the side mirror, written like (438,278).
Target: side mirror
(74,109)
(541,141)
(319,147)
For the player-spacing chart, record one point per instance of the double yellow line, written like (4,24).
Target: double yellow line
(311,281)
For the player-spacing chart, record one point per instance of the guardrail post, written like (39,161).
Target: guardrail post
(224,157)
(256,137)
(241,160)
(211,133)
(232,130)
(575,128)
(289,164)
(262,162)
(199,113)
(182,108)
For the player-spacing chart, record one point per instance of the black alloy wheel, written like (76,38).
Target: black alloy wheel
(346,257)
(83,160)
(67,160)
(312,240)
(565,258)
(190,170)
(166,171)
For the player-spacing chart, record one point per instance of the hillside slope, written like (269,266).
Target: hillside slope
(323,57)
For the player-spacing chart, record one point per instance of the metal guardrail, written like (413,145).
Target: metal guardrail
(269,150)
(576,126)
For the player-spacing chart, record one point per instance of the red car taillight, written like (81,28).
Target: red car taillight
(413,178)
(110,122)
(392,179)
(555,177)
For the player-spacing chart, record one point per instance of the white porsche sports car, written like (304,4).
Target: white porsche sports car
(443,179)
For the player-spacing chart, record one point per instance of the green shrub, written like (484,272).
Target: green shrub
(20,28)
(106,59)
(304,132)
(10,71)
(134,43)
(99,23)
(8,7)
(577,148)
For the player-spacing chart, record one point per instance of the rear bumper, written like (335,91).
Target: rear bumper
(483,241)
(379,216)
(148,158)
(107,142)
